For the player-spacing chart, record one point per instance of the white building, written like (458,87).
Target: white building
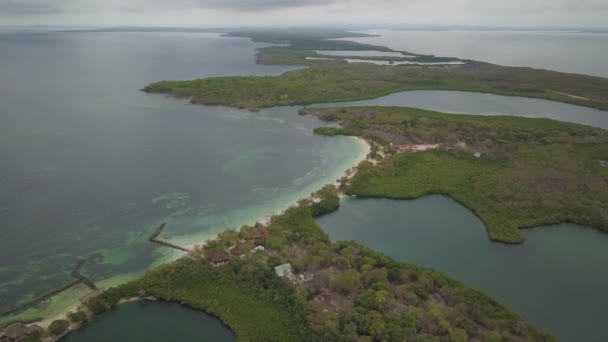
(283,270)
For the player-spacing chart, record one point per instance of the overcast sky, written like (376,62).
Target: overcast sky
(211,13)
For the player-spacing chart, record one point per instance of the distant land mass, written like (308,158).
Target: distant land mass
(512,172)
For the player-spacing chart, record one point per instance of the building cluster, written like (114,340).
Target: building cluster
(240,250)
(413,148)
(424,147)
(285,270)
(247,247)
(404,148)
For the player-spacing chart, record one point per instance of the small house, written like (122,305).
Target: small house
(242,248)
(219,258)
(261,236)
(283,270)
(404,148)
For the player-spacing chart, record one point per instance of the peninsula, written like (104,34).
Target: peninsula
(512,172)
(333,79)
(286,281)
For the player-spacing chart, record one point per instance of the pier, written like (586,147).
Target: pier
(154,238)
(79,279)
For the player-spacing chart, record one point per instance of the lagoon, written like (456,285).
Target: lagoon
(151,322)
(362,53)
(487,104)
(92,166)
(556,279)
(371,61)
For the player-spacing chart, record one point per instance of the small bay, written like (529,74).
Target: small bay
(556,279)
(151,322)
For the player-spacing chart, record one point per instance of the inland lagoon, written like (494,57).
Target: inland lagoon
(153,321)
(556,279)
(92,166)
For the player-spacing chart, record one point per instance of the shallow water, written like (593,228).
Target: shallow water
(91,166)
(576,52)
(150,322)
(361,53)
(399,63)
(556,279)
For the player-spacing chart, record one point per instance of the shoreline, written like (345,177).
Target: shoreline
(265,220)
(71,305)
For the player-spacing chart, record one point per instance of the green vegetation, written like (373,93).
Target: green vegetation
(335,80)
(77,317)
(246,296)
(356,295)
(531,171)
(58,327)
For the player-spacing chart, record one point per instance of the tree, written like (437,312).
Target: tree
(347,281)
(77,317)
(378,275)
(58,327)
(96,306)
(394,275)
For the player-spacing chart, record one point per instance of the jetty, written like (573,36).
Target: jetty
(79,279)
(154,238)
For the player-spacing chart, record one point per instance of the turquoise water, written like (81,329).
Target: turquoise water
(576,52)
(91,166)
(150,322)
(557,279)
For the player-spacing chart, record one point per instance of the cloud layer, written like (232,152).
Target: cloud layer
(298,12)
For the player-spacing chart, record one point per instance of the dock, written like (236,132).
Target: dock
(154,238)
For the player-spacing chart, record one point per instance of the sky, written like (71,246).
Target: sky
(223,13)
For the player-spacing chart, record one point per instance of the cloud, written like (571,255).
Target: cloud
(297,12)
(259,5)
(38,7)
(28,7)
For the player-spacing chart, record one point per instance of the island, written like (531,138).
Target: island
(512,172)
(285,280)
(332,79)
